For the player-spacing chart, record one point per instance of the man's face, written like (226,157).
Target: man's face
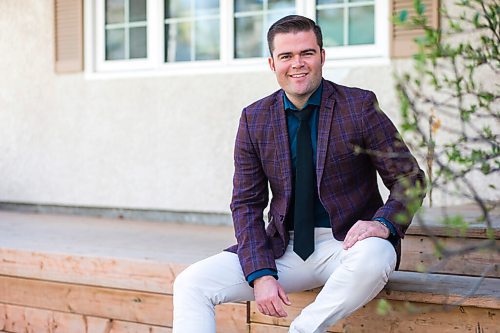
(297,62)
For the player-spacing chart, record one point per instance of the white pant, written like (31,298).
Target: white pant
(351,279)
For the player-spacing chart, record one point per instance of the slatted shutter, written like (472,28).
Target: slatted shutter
(68,35)
(402,38)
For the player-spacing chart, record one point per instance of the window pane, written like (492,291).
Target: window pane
(138,42)
(207,7)
(177,8)
(115,11)
(331,22)
(359,1)
(361,25)
(178,42)
(326,2)
(207,39)
(248,5)
(137,10)
(115,44)
(248,37)
(280,4)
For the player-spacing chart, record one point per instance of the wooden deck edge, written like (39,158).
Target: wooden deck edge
(399,316)
(114,304)
(143,275)
(156,277)
(21,319)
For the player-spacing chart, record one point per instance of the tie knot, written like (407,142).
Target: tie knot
(304,114)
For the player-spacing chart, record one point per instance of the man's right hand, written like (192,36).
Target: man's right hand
(270,296)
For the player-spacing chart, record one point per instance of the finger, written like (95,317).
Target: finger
(265,310)
(278,309)
(283,296)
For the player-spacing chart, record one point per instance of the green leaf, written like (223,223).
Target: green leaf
(419,7)
(383,307)
(403,16)
(456,223)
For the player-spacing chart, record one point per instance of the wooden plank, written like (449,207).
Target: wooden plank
(443,289)
(116,304)
(433,220)
(402,317)
(419,252)
(231,318)
(142,275)
(263,328)
(18,319)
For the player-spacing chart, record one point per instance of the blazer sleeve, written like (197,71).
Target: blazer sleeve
(395,164)
(250,197)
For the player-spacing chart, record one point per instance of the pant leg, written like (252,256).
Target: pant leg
(201,286)
(356,276)
(219,279)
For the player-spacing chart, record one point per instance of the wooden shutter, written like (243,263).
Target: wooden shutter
(68,35)
(402,38)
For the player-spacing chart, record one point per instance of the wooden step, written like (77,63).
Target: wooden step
(418,303)
(65,272)
(419,253)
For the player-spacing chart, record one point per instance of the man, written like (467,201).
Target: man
(318,145)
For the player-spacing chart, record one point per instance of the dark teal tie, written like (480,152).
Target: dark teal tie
(303,243)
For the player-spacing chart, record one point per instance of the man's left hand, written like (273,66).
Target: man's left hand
(364,229)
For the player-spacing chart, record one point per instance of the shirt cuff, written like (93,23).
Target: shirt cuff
(260,273)
(393,236)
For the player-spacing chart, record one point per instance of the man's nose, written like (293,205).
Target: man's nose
(297,62)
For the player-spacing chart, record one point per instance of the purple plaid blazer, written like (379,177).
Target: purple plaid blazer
(347,182)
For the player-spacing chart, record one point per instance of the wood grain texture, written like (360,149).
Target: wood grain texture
(443,289)
(19,319)
(141,275)
(419,252)
(403,317)
(116,304)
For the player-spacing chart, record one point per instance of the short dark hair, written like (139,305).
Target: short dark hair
(293,23)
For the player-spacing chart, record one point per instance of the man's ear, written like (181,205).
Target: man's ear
(271,63)
(323,57)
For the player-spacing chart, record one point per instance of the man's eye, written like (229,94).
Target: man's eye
(285,57)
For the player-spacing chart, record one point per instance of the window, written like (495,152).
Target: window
(125,29)
(169,34)
(192,30)
(353,28)
(252,19)
(346,22)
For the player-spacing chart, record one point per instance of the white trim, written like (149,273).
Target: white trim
(381,46)
(103,65)
(89,41)
(257,65)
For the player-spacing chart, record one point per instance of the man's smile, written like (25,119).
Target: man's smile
(298,75)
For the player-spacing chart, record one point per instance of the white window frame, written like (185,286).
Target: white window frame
(154,63)
(377,50)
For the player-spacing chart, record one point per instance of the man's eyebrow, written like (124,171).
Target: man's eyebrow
(308,50)
(301,52)
(284,53)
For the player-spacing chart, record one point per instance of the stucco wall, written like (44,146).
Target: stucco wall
(162,142)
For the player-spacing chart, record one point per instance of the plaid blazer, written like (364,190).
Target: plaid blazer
(346,180)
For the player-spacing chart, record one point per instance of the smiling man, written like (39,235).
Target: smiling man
(328,225)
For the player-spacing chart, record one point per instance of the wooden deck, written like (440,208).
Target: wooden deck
(94,275)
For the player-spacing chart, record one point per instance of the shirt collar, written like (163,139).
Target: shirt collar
(314,99)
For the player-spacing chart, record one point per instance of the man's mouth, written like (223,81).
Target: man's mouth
(296,76)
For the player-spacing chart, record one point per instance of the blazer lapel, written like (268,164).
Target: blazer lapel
(280,131)
(324,126)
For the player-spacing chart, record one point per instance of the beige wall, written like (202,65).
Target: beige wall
(162,142)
